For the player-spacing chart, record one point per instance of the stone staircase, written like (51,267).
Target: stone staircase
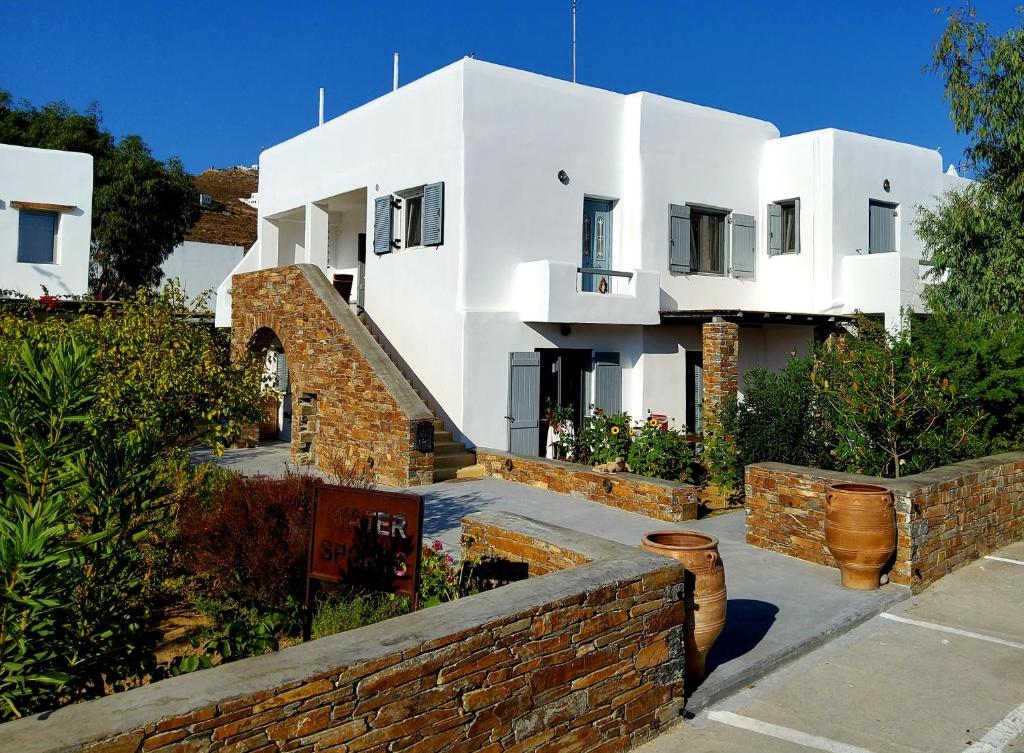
(449,456)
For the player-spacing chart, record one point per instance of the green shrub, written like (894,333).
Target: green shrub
(76,498)
(337,614)
(983,358)
(885,410)
(661,453)
(778,419)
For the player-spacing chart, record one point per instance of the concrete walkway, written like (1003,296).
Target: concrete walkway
(779,607)
(942,672)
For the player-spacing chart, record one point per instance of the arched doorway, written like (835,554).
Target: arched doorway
(277,422)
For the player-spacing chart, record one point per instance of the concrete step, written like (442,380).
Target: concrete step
(445,474)
(454,461)
(448,447)
(441,437)
(472,471)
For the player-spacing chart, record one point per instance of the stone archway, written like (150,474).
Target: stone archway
(352,405)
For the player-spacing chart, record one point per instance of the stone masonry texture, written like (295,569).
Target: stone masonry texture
(365,412)
(945,517)
(663,500)
(587,659)
(720,343)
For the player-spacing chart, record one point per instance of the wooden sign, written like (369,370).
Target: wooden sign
(366,538)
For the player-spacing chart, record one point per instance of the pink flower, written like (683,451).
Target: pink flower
(450,559)
(437,544)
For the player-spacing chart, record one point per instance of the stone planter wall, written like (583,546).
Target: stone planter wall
(945,517)
(588,658)
(350,403)
(662,500)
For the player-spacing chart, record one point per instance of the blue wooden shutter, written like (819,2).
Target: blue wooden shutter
(383,216)
(679,238)
(744,245)
(608,383)
(881,227)
(282,373)
(433,214)
(524,403)
(774,229)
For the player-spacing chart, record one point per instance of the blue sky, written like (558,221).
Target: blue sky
(214,82)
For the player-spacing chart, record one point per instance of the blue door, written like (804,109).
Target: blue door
(597,243)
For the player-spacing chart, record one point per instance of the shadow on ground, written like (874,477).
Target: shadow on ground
(748,622)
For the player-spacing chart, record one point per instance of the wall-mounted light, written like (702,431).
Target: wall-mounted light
(566,330)
(885,185)
(563,177)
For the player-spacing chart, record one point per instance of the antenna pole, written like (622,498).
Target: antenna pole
(394,81)
(574,41)
(321,105)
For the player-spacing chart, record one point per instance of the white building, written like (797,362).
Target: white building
(470,209)
(45,221)
(224,230)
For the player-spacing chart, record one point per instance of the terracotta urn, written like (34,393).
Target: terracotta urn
(704,594)
(860,532)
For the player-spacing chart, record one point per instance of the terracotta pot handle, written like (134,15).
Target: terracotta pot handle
(828,500)
(713,560)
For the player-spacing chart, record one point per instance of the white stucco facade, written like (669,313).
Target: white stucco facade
(45,220)
(520,157)
(199,268)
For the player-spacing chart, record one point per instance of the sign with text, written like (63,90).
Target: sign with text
(367,538)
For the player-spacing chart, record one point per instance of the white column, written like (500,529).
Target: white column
(316,235)
(270,237)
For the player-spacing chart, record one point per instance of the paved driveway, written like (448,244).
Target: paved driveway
(940,673)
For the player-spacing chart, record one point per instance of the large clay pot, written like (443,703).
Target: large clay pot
(704,590)
(860,531)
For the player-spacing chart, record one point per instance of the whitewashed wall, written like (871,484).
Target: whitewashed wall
(200,267)
(46,176)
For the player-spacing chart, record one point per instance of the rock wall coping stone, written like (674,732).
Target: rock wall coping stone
(585,658)
(671,501)
(945,517)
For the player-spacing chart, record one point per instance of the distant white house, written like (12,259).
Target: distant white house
(226,228)
(45,221)
(520,240)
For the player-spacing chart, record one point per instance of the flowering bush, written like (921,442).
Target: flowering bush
(441,578)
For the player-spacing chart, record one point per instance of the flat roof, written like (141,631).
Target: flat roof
(740,316)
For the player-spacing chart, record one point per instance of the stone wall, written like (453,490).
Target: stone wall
(662,500)
(584,659)
(482,539)
(720,343)
(945,517)
(350,403)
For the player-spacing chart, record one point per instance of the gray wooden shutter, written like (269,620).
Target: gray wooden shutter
(383,215)
(698,396)
(881,227)
(774,229)
(282,373)
(433,214)
(678,238)
(744,245)
(796,221)
(524,403)
(608,383)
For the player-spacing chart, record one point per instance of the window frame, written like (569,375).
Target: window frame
(895,208)
(55,242)
(723,214)
(794,206)
(403,216)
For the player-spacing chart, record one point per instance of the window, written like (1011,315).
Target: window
(412,218)
(784,227)
(881,227)
(707,241)
(37,237)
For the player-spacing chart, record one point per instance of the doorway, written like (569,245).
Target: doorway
(597,244)
(563,382)
(361,270)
